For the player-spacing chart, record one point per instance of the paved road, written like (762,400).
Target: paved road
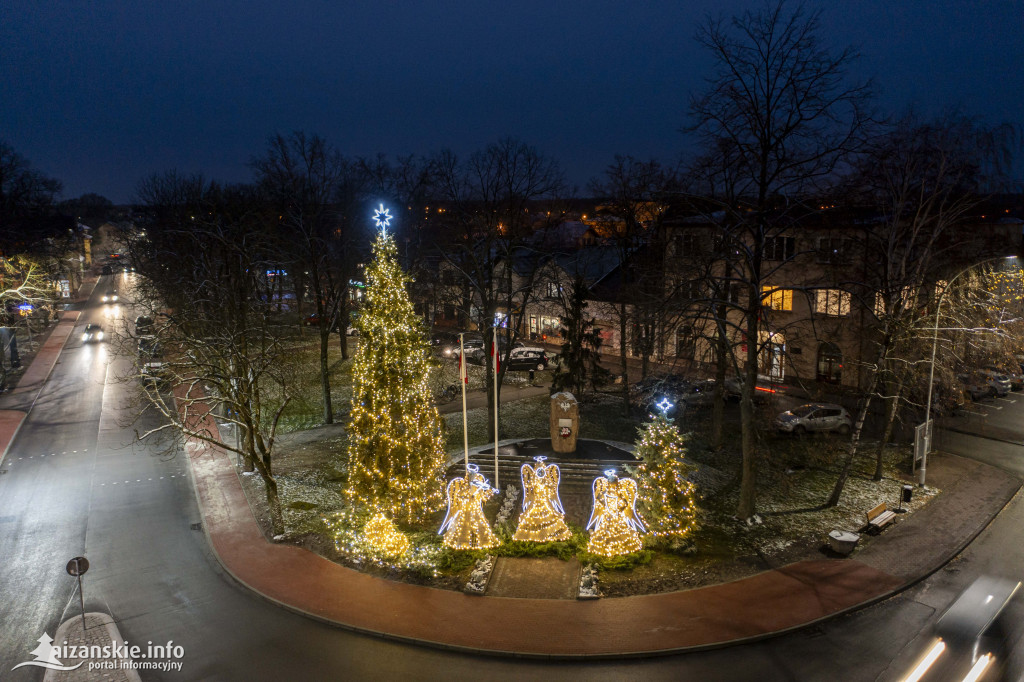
(77,483)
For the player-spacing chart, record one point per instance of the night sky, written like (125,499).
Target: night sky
(100,94)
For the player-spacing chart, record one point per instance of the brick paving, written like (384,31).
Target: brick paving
(100,631)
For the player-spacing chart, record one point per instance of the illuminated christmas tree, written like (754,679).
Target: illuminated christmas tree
(668,499)
(396,449)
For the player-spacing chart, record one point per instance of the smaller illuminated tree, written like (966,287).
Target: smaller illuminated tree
(668,498)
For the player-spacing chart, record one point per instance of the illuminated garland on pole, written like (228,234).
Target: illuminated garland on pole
(396,450)
(668,499)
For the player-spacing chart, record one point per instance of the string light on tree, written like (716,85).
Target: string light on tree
(667,497)
(543,518)
(382,535)
(616,525)
(396,448)
(465,526)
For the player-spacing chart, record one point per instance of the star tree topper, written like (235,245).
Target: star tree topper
(382,217)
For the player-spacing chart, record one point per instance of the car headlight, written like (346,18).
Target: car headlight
(113,298)
(85,336)
(99,335)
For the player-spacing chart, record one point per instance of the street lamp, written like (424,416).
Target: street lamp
(931,375)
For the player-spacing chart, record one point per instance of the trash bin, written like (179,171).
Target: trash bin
(908,492)
(843,541)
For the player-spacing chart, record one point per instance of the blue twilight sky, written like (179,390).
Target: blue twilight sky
(100,94)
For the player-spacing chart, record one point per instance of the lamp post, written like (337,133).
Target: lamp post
(931,374)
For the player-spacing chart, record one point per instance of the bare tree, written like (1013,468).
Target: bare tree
(304,176)
(921,179)
(201,258)
(633,192)
(778,102)
(490,239)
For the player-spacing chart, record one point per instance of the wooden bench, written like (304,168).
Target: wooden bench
(879,517)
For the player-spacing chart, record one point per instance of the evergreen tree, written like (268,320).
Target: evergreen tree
(396,446)
(580,358)
(668,498)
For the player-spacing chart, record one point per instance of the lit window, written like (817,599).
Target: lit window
(832,302)
(777,299)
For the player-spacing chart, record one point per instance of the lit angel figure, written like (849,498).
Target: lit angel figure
(616,524)
(543,518)
(465,526)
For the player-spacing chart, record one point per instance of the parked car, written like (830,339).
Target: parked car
(153,371)
(1015,377)
(975,385)
(149,347)
(699,394)
(143,325)
(648,392)
(764,390)
(999,382)
(475,349)
(93,332)
(110,296)
(443,343)
(814,417)
(526,359)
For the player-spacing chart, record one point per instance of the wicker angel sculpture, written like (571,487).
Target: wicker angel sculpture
(465,526)
(616,525)
(543,518)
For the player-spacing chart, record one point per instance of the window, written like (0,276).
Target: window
(779,248)
(686,244)
(554,290)
(830,363)
(831,249)
(732,292)
(832,302)
(687,289)
(533,326)
(777,299)
(686,343)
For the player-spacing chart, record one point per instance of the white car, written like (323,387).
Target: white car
(814,417)
(999,382)
(110,296)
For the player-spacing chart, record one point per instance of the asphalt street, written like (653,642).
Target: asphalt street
(79,483)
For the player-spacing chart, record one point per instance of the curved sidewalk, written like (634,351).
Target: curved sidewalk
(752,608)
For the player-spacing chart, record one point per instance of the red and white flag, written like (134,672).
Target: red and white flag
(463,374)
(495,355)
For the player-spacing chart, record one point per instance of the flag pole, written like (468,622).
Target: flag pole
(494,352)
(463,380)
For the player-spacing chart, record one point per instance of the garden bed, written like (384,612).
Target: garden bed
(795,478)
